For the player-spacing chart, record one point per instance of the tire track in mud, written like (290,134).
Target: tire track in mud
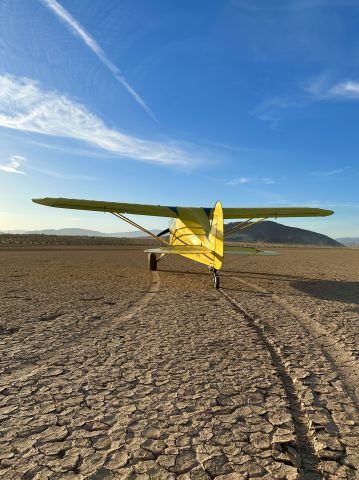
(176,391)
(335,352)
(147,297)
(85,337)
(320,380)
(309,461)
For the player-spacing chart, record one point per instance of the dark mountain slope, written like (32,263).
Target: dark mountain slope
(273,232)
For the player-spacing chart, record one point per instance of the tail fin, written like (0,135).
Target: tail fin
(215,236)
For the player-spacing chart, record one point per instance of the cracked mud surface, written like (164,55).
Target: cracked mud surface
(109,371)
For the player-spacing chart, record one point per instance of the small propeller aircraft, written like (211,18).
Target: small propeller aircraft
(196,233)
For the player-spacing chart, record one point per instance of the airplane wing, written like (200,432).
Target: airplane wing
(100,206)
(229,212)
(176,212)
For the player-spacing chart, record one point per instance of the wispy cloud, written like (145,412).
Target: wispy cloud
(82,152)
(64,176)
(292,5)
(244,180)
(330,173)
(26,107)
(323,88)
(272,110)
(317,204)
(347,89)
(267,180)
(315,87)
(318,89)
(77,29)
(340,204)
(13,164)
(239,181)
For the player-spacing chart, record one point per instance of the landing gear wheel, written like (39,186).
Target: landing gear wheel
(215,274)
(152,261)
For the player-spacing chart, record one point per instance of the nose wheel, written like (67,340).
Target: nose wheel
(216,281)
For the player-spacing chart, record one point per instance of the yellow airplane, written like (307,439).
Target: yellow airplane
(195,232)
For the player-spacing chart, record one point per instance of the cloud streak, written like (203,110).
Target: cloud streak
(318,89)
(234,182)
(239,181)
(347,89)
(64,176)
(330,173)
(77,29)
(26,107)
(271,110)
(13,164)
(292,5)
(321,88)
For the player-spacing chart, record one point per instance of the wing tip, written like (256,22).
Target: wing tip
(38,200)
(326,213)
(49,202)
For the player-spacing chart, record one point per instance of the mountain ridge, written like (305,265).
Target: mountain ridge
(349,241)
(274,232)
(83,232)
(266,231)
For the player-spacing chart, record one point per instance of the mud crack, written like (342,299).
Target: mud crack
(309,460)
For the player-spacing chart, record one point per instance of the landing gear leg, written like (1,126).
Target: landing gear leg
(215,274)
(152,261)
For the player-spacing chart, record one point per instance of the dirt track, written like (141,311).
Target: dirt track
(109,371)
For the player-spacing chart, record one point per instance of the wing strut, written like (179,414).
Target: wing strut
(136,225)
(241,226)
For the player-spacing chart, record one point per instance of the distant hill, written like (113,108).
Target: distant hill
(349,241)
(80,232)
(273,232)
(267,232)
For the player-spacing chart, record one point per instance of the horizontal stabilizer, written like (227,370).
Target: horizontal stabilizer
(234,250)
(180,250)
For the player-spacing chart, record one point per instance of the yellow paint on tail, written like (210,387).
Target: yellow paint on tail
(197,230)
(215,236)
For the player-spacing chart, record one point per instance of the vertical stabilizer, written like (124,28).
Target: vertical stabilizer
(215,236)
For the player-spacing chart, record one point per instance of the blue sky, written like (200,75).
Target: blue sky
(251,102)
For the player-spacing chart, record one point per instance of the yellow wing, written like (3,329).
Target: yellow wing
(178,212)
(275,212)
(100,206)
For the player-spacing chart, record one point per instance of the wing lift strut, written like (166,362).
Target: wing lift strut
(246,224)
(136,225)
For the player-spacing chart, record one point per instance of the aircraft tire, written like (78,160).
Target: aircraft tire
(216,281)
(152,261)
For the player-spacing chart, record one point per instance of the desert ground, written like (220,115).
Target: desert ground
(110,371)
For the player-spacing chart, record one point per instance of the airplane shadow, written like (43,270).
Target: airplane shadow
(264,276)
(345,292)
(339,291)
(183,272)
